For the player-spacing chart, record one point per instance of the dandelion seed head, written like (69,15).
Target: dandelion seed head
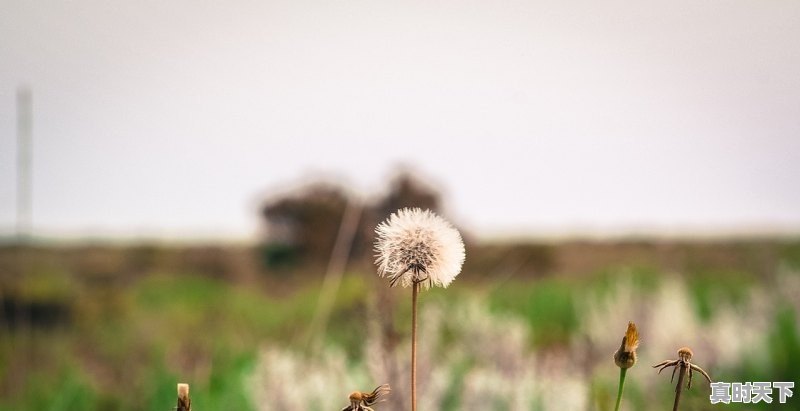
(418,245)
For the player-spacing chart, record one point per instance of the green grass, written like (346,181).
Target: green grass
(790,254)
(548,306)
(713,289)
(128,346)
(552,306)
(452,397)
(140,341)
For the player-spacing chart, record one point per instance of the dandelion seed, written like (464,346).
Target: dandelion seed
(416,246)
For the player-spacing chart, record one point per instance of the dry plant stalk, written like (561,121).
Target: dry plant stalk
(362,401)
(685,367)
(184,403)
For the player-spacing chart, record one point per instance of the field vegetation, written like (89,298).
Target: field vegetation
(527,326)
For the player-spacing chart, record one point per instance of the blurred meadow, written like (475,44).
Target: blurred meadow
(526,326)
(189,193)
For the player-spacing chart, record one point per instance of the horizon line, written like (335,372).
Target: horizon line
(542,234)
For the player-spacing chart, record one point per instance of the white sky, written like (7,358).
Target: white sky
(172,118)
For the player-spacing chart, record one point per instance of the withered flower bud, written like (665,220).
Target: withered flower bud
(625,357)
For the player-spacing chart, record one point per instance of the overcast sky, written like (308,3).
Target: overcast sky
(173,118)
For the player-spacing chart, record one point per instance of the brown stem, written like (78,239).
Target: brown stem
(679,387)
(414,293)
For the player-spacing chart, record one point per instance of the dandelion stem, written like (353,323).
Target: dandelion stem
(622,372)
(414,293)
(679,387)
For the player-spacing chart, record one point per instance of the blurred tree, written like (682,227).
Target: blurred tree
(302,227)
(406,191)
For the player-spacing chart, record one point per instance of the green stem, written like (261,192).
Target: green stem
(622,372)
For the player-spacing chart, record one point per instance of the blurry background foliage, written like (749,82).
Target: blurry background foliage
(95,326)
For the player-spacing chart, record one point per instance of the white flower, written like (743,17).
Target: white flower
(418,246)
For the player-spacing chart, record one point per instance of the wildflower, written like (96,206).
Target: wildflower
(683,363)
(361,401)
(625,357)
(416,246)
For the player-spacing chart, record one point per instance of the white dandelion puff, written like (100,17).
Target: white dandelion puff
(420,249)
(418,246)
